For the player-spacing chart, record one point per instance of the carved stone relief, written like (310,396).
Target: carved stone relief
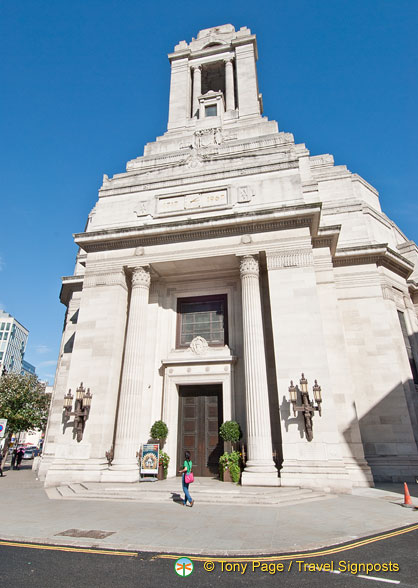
(199,346)
(245,194)
(207,138)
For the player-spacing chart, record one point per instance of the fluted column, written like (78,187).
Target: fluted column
(260,460)
(197,88)
(229,85)
(130,401)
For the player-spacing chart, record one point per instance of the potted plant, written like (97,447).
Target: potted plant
(163,465)
(230,461)
(159,432)
(230,467)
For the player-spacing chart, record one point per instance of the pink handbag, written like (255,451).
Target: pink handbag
(189,478)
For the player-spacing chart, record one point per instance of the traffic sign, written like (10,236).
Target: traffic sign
(3,424)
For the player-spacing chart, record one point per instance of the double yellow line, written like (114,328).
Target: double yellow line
(292,556)
(70,549)
(319,553)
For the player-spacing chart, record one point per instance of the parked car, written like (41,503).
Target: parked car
(29,454)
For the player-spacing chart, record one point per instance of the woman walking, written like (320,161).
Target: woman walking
(187,469)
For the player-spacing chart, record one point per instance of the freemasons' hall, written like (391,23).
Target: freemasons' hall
(220,266)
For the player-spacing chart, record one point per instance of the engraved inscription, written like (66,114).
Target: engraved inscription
(190,202)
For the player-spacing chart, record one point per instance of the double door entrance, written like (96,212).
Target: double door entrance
(200,416)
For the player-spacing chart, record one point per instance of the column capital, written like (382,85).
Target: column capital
(249,266)
(228,60)
(196,67)
(141,277)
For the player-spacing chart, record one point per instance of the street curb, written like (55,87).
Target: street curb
(47,541)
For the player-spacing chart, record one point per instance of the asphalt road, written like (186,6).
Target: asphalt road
(49,568)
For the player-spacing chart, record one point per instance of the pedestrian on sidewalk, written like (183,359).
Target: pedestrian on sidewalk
(187,469)
(20,454)
(1,462)
(14,456)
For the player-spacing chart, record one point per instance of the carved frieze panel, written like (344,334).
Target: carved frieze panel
(109,278)
(289,258)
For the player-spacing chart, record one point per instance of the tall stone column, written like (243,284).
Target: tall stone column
(130,401)
(197,88)
(229,85)
(260,469)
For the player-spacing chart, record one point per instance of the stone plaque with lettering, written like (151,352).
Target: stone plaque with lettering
(192,202)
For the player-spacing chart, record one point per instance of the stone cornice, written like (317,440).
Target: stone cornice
(70,284)
(230,145)
(240,223)
(381,255)
(327,237)
(189,177)
(198,360)
(357,178)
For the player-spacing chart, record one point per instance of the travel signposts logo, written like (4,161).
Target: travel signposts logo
(183,566)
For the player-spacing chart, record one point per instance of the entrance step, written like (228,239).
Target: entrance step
(214,492)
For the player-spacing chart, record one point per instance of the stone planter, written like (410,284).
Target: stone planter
(227,476)
(162,475)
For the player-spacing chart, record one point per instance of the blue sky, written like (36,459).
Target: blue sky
(85,85)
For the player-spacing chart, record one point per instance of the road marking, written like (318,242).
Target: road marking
(365,577)
(331,571)
(292,556)
(378,579)
(70,549)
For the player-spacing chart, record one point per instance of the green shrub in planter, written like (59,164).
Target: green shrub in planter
(230,431)
(164,461)
(232,462)
(159,430)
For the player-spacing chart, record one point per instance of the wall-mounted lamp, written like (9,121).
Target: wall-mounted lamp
(307,406)
(81,408)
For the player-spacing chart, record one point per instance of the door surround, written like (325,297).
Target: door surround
(200,416)
(189,371)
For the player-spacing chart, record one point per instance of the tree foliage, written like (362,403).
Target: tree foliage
(23,403)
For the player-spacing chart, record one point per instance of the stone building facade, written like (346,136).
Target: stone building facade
(222,264)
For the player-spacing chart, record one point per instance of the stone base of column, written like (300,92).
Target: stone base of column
(121,473)
(256,474)
(73,471)
(330,476)
(46,461)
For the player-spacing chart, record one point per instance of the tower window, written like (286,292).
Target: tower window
(211,110)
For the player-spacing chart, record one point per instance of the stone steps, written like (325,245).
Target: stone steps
(231,495)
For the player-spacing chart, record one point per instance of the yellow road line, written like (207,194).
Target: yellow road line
(292,556)
(70,549)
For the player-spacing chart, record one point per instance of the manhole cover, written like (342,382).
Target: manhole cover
(92,534)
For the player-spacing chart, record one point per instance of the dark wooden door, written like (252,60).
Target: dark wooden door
(200,416)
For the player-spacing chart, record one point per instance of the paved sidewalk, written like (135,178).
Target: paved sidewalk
(216,529)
